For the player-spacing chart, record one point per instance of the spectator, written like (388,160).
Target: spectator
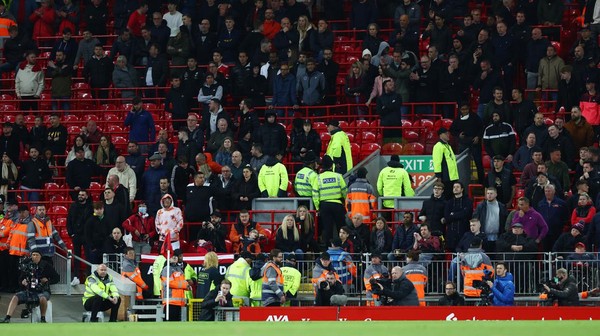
(270,26)
(151,183)
(584,212)
(229,40)
(330,70)
(135,161)
(502,179)
(550,12)
(205,43)
(305,141)
(79,213)
(68,46)
(491,214)
(457,212)
(124,76)
(284,90)
(191,82)
(246,125)
(157,71)
(411,9)
(440,35)
(173,17)
(288,238)
(499,138)
(79,142)
(580,129)
(451,296)
(223,186)
(311,86)
(209,91)
(522,113)
(424,82)
(106,153)
(321,39)
(216,140)
(115,209)
(199,201)
(558,168)
(10,143)
(530,220)
(498,104)
(286,39)
(141,124)
(588,104)
(536,49)
(272,135)
(126,176)
(123,46)
(432,209)
(240,73)
(141,227)
(245,190)
(467,127)
(169,221)
(213,233)
(178,48)
(85,50)
(389,104)
(43,20)
(114,244)
(95,17)
(549,72)
(404,237)
(34,174)
(504,53)
(223,155)
(137,20)
(568,241)
(14,49)
(363,13)
(96,230)
(29,81)
(97,72)
(241,229)
(486,82)
(539,128)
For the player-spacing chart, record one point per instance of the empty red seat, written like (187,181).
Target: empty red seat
(367,149)
(425,124)
(406,123)
(413,148)
(59,210)
(112,128)
(410,135)
(108,107)
(70,118)
(367,136)
(89,117)
(391,148)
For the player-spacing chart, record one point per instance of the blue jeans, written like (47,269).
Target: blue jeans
(63,101)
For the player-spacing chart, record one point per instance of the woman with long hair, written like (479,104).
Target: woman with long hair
(106,154)
(305,30)
(584,212)
(287,238)
(377,86)
(209,276)
(306,222)
(8,180)
(381,237)
(224,153)
(357,86)
(79,142)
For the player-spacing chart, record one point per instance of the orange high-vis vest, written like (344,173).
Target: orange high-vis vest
(360,202)
(136,277)
(177,286)
(4,25)
(17,240)
(5,226)
(419,281)
(42,229)
(471,274)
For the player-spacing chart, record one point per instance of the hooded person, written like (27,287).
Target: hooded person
(271,135)
(169,220)
(382,55)
(273,179)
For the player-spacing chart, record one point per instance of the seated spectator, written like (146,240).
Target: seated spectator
(580,254)
(114,244)
(162,137)
(211,118)
(213,232)
(404,237)
(106,153)
(91,132)
(381,237)
(427,243)
(451,296)
(241,229)
(220,297)
(359,233)
(523,156)
(568,240)
(584,212)
(287,238)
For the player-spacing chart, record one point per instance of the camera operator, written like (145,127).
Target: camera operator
(330,291)
(503,287)
(36,276)
(566,291)
(400,292)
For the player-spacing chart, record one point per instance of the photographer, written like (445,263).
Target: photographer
(503,287)
(566,291)
(330,290)
(220,297)
(213,232)
(36,276)
(400,292)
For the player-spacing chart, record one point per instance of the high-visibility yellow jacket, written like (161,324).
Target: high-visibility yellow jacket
(291,280)
(95,286)
(239,275)
(303,182)
(444,162)
(328,187)
(339,150)
(393,181)
(273,179)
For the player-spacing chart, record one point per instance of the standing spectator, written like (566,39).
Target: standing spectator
(135,161)
(363,13)
(141,124)
(536,49)
(457,212)
(311,86)
(580,130)
(439,33)
(126,176)
(549,72)
(339,148)
(68,45)
(124,46)
(80,171)
(211,89)
(502,179)
(14,49)
(137,20)
(286,39)
(10,143)
(200,202)
(523,156)
(491,215)
(550,12)
(141,226)
(589,104)
(29,81)
(157,72)
(389,106)
(43,21)
(284,89)
(555,213)
(499,138)
(178,48)
(432,209)
(169,221)
(85,50)
(173,17)
(155,184)
(124,76)
(486,81)
(467,128)
(372,42)
(568,91)
(191,81)
(177,102)
(57,135)
(424,81)
(95,17)
(321,39)
(229,40)
(498,104)
(522,113)
(38,134)
(272,135)
(240,73)
(61,73)
(245,190)
(79,213)
(98,72)
(33,174)
(444,162)
(206,42)
(531,221)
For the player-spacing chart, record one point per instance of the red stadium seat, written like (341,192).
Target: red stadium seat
(368,149)
(69,118)
(111,117)
(108,107)
(413,148)
(410,135)
(406,123)
(391,148)
(89,117)
(367,136)
(112,128)
(58,210)
(424,124)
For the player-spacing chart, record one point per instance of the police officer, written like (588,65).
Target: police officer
(329,193)
(393,181)
(306,176)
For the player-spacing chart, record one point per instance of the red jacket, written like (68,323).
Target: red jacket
(145,225)
(43,26)
(590,108)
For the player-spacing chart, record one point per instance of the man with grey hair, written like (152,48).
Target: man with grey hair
(125,77)
(125,175)
(401,293)
(555,213)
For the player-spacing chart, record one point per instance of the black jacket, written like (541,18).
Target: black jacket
(79,173)
(401,293)
(78,216)
(96,232)
(310,141)
(388,108)
(324,296)
(247,123)
(508,239)
(433,209)
(458,212)
(34,174)
(199,203)
(57,139)
(207,308)
(112,246)
(160,70)
(452,300)
(216,236)
(43,270)
(177,102)
(273,137)
(223,192)
(567,294)
(98,72)
(114,214)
